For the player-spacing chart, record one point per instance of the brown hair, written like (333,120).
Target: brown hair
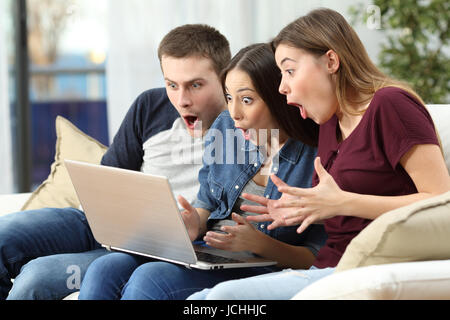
(258,62)
(325,29)
(196,40)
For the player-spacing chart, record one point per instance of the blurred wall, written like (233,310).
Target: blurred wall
(137,26)
(6,171)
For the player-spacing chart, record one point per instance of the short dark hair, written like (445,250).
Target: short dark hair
(258,62)
(196,40)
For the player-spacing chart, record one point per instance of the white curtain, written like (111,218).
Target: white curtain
(137,26)
(6,172)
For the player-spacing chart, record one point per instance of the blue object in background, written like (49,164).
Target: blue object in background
(88,116)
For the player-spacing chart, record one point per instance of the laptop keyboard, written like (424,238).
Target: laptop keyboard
(211,258)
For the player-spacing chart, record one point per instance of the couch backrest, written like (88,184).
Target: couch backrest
(441,117)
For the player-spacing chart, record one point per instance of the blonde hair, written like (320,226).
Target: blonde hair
(324,29)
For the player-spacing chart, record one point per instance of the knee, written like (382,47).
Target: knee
(152,281)
(223,291)
(106,275)
(37,281)
(9,226)
(199,295)
(108,265)
(163,270)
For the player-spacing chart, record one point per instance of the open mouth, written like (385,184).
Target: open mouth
(302,109)
(191,121)
(245,132)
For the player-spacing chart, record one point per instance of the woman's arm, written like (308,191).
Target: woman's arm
(425,166)
(423,163)
(287,256)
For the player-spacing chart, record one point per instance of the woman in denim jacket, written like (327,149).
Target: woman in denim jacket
(258,136)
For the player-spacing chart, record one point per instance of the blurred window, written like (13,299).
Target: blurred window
(67,53)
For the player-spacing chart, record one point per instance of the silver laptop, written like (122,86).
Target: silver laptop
(137,213)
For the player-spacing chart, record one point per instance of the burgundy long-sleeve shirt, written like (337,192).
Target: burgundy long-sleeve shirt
(367,161)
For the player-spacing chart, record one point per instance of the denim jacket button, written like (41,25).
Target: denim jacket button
(267,196)
(275,169)
(256,164)
(261,226)
(236,187)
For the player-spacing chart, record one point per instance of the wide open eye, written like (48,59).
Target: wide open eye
(247,100)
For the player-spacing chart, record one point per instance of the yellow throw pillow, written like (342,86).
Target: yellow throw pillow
(71,143)
(417,232)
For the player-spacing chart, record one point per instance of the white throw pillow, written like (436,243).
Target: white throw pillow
(398,281)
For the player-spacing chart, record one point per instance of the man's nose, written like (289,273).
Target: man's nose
(184,99)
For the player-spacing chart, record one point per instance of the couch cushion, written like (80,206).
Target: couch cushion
(398,281)
(12,202)
(71,143)
(416,232)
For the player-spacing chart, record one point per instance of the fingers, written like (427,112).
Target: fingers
(293,191)
(258,199)
(238,219)
(320,170)
(276,224)
(277,181)
(305,224)
(286,222)
(289,204)
(185,204)
(260,218)
(254,209)
(218,240)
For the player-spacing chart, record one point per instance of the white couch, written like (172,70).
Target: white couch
(372,282)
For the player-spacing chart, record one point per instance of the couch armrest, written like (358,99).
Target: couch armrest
(12,202)
(397,281)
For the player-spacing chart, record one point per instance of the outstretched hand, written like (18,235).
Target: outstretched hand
(267,210)
(299,205)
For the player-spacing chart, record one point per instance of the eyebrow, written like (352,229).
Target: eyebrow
(189,81)
(286,59)
(240,90)
(245,89)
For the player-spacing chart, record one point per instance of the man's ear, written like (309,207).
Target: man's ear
(333,62)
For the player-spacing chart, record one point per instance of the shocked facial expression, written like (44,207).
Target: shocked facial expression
(194,88)
(248,110)
(307,82)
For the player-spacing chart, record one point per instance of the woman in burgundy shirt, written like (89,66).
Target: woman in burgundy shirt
(378,149)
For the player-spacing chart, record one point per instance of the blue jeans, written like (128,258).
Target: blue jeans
(281,285)
(129,277)
(46,252)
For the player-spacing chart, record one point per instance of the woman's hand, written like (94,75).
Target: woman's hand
(299,205)
(312,205)
(240,237)
(191,218)
(267,209)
